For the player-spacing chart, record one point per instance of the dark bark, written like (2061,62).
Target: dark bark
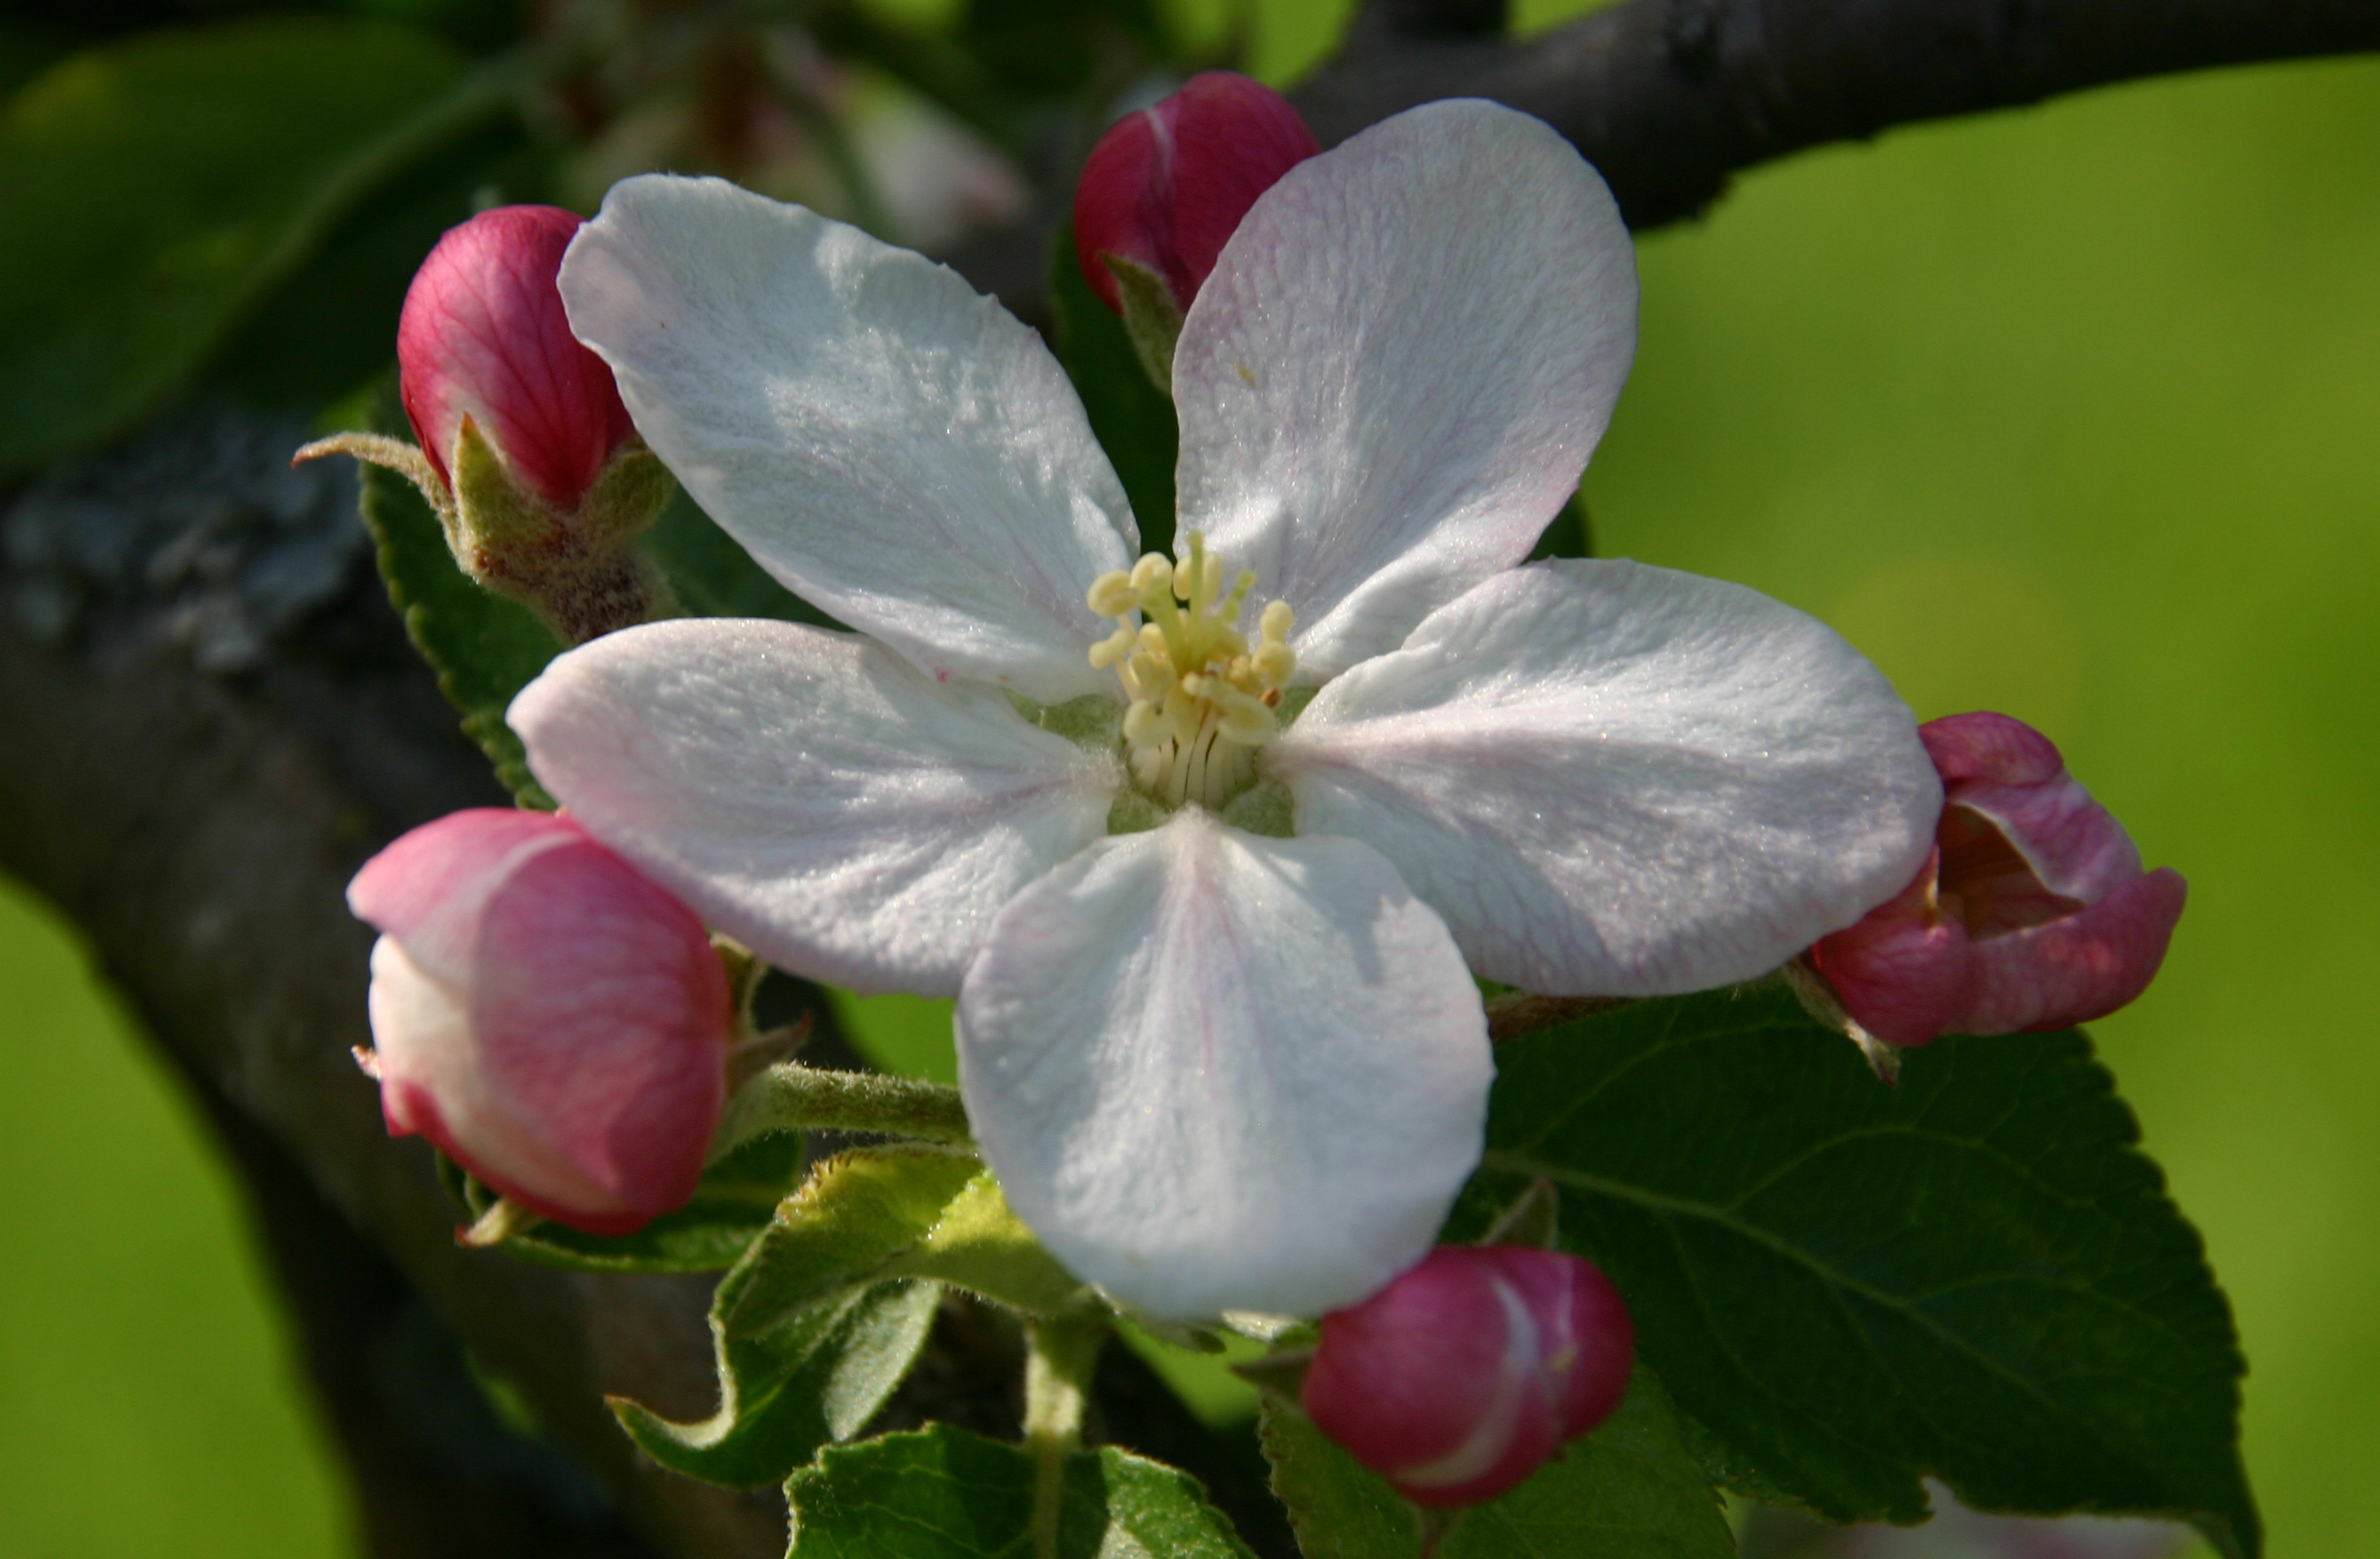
(1671,98)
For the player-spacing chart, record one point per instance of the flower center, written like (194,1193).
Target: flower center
(1202,699)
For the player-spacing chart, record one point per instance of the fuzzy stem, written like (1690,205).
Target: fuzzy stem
(791,1096)
(1059,1356)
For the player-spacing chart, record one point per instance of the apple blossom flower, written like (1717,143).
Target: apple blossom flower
(527,450)
(1217,1033)
(2032,912)
(553,1021)
(1466,1373)
(1165,188)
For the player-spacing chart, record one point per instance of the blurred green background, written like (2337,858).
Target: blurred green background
(2072,413)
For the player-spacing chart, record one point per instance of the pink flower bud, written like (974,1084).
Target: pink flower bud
(483,336)
(2032,913)
(556,1023)
(1461,1378)
(1165,188)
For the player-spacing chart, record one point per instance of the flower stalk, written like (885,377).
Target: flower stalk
(791,1096)
(1059,1358)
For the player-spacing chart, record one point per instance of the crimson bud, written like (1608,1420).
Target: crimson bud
(1164,190)
(1467,1373)
(553,1021)
(2032,913)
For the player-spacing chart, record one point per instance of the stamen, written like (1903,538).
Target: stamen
(1201,701)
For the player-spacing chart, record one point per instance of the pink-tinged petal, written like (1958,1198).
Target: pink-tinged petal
(554,1020)
(889,444)
(1219,1071)
(1905,970)
(813,794)
(1621,780)
(2073,970)
(2073,846)
(1462,1377)
(1167,187)
(483,335)
(1985,746)
(1399,368)
(428,888)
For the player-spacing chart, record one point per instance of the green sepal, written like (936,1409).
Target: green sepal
(732,1206)
(631,490)
(876,1213)
(1631,1490)
(816,1379)
(580,572)
(941,1493)
(1151,318)
(1974,1275)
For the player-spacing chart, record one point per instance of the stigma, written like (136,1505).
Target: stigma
(1201,697)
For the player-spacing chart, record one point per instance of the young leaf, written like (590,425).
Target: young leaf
(874,1213)
(161,186)
(732,1204)
(817,1379)
(944,1494)
(1976,1275)
(483,648)
(1133,419)
(1629,1491)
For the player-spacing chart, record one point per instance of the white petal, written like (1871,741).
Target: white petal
(1618,780)
(1217,1071)
(813,794)
(886,443)
(1399,368)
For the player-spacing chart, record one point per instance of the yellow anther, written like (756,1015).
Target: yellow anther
(1115,594)
(1112,648)
(1152,573)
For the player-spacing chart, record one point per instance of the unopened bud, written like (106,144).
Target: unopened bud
(2032,913)
(526,452)
(1163,192)
(1466,1374)
(553,1021)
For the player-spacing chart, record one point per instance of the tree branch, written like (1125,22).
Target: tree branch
(1671,98)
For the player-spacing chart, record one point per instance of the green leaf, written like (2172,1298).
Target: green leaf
(732,1204)
(942,1493)
(1133,421)
(1630,1491)
(874,1213)
(1975,1275)
(160,187)
(817,1379)
(483,648)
